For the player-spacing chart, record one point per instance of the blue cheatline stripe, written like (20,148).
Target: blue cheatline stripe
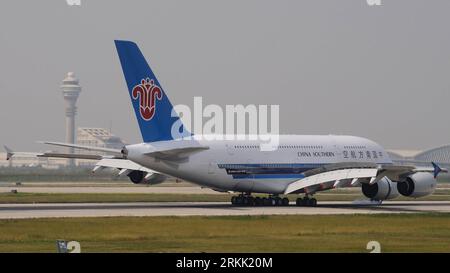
(273,165)
(282,165)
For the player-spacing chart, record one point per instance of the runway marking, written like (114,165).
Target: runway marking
(22,211)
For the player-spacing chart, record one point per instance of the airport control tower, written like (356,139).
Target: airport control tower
(71,90)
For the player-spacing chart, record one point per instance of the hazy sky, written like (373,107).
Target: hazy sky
(338,67)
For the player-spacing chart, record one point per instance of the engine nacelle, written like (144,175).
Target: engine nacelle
(417,185)
(384,189)
(140,177)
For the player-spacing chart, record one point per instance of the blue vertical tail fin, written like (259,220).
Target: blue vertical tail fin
(152,107)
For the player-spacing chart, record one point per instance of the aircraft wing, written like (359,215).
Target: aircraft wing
(349,174)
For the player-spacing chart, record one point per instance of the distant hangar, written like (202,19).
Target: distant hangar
(439,155)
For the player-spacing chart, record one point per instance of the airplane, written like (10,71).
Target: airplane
(300,164)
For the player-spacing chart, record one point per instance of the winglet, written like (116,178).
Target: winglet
(436,170)
(9,152)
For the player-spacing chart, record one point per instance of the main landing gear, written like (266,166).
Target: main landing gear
(248,200)
(273,200)
(306,202)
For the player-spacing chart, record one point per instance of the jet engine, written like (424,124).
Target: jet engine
(384,189)
(417,185)
(140,177)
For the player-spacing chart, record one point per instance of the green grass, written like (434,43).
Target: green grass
(8,198)
(319,233)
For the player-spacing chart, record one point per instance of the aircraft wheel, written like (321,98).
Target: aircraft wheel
(278,201)
(305,201)
(239,200)
(285,201)
(299,202)
(273,202)
(266,201)
(258,201)
(313,202)
(251,201)
(233,200)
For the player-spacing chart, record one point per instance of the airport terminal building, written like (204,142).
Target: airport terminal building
(96,137)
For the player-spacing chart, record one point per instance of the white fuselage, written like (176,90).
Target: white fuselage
(240,165)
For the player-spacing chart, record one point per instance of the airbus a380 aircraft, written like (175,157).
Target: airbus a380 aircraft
(301,164)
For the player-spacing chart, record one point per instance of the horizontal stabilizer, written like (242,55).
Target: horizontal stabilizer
(9,152)
(82,147)
(76,156)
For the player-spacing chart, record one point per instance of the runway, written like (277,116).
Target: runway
(122,190)
(23,211)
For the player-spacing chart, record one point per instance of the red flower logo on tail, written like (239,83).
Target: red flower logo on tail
(147,92)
